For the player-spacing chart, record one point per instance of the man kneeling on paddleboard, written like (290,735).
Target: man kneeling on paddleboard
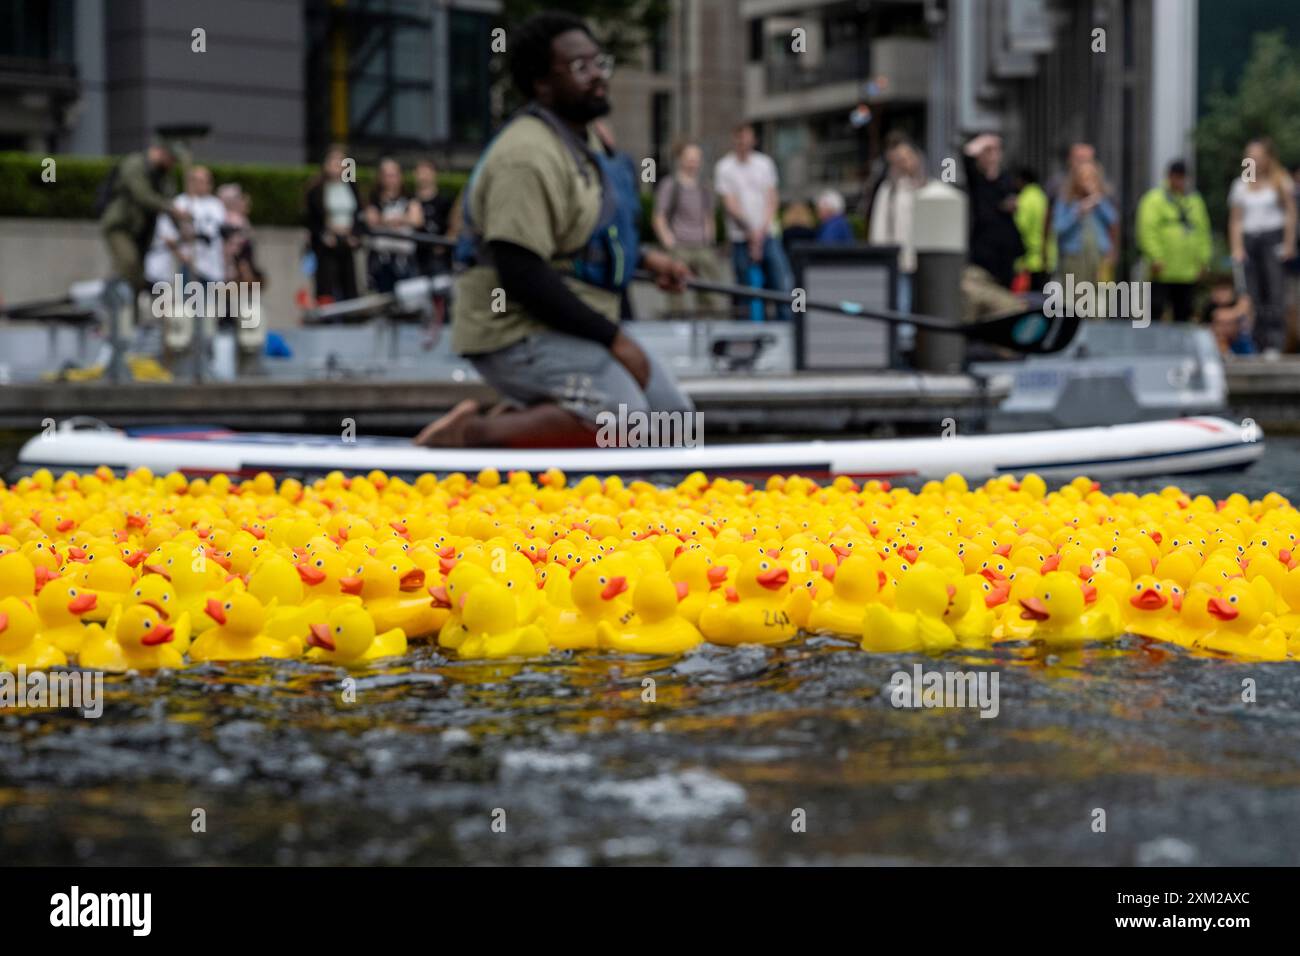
(550,225)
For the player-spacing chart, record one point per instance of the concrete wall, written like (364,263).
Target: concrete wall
(41,258)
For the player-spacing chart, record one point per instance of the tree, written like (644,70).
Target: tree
(1266,102)
(622,26)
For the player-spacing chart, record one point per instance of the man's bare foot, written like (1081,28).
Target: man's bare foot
(449,431)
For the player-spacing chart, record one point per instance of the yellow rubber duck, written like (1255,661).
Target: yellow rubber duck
(20,643)
(17,575)
(597,597)
(237,634)
(393,592)
(349,637)
(925,594)
(757,610)
(61,606)
(1153,607)
(701,579)
(137,639)
(493,627)
(654,627)
(1061,615)
(856,581)
(1242,630)
(110,578)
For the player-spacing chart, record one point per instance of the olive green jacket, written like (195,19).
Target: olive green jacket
(139,195)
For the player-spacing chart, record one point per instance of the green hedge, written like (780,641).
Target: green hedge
(276,191)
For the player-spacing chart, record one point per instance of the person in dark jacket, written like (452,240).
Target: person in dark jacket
(142,189)
(333,223)
(995,242)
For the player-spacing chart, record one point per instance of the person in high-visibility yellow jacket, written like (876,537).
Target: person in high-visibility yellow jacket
(1032,207)
(1173,236)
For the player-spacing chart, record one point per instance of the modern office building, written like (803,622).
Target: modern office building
(276,80)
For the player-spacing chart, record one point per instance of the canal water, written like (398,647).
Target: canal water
(1124,754)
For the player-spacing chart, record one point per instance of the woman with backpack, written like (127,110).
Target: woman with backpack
(1262,236)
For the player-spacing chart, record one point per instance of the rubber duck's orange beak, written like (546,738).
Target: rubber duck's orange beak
(82,603)
(537,557)
(162,634)
(400,528)
(445,565)
(310,575)
(1032,609)
(135,521)
(1003,549)
(43,577)
(1176,600)
(320,637)
(351,584)
(717,574)
(733,595)
(412,580)
(614,587)
(1221,609)
(66,525)
(841,551)
(683,589)
(1148,599)
(440,596)
(78,555)
(162,612)
(1051,563)
(1089,593)
(4,622)
(774,578)
(135,557)
(997,597)
(215,610)
(909,553)
(828,571)
(993,576)
(220,559)
(159,570)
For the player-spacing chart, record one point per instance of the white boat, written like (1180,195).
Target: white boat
(1173,447)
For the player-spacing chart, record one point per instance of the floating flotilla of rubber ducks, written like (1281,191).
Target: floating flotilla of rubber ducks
(146,572)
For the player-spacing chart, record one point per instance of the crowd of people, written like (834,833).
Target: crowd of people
(1024,234)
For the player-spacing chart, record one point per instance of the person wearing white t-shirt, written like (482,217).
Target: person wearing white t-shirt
(200,259)
(1261,237)
(746,182)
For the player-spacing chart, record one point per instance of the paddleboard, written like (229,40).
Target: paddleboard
(1174,447)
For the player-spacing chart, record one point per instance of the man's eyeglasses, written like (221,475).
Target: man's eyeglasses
(602,65)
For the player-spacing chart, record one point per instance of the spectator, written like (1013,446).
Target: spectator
(1261,236)
(436,207)
(1082,218)
(201,252)
(137,192)
(683,222)
(746,181)
(333,218)
(391,258)
(241,260)
(798,224)
(1228,314)
(890,221)
(994,240)
(834,228)
(1032,208)
(1293,278)
(1173,237)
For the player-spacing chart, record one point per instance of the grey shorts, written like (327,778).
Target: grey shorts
(579,375)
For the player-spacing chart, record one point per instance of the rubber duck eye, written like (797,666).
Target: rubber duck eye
(1233,599)
(602,580)
(229,605)
(1047,595)
(320,562)
(139,593)
(148,624)
(338,629)
(166,598)
(1138,586)
(1159,588)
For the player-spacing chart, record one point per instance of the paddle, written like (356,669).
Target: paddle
(1028,331)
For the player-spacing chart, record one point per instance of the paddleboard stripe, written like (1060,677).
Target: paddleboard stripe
(1119,460)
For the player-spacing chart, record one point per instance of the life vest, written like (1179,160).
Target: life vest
(610,254)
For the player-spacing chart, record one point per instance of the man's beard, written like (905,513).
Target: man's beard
(583,109)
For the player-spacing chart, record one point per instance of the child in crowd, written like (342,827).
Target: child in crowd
(1229,316)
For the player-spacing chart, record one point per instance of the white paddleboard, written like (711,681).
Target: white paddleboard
(1178,446)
